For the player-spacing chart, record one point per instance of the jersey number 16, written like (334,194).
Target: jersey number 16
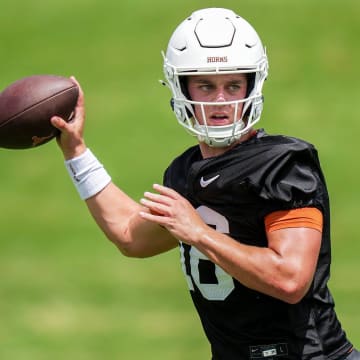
(211,280)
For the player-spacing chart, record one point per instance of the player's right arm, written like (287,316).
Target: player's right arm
(118,217)
(114,211)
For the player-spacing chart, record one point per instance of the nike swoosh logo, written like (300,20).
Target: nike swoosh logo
(204,183)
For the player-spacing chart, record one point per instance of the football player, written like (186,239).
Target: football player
(249,211)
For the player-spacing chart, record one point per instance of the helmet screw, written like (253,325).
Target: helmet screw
(178,113)
(169,72)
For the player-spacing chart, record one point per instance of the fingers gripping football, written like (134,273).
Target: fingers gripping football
(71,139)
(169,209)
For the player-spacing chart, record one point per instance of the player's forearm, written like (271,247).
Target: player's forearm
(117,216)
(112,210)
(107,210)
(259,268)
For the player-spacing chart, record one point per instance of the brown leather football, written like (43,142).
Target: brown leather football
(27,105)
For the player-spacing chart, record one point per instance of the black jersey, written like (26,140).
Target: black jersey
(233,193)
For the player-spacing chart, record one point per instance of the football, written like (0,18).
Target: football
(27,105)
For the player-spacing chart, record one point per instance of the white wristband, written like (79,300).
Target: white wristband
(87,174)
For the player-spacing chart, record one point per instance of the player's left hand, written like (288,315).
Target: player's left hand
(172,211)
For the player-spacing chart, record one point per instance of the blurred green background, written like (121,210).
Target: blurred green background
(65,291)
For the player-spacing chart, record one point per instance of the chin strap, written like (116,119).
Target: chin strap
(219,136)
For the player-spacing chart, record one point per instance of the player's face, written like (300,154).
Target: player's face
(217,88)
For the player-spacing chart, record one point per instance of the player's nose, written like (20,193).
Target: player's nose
(220,95)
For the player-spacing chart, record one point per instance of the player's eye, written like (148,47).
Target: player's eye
(205,87)
(234,87)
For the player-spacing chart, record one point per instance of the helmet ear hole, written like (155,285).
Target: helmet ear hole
(172,104)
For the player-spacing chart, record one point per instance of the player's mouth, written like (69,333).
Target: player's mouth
(218,119)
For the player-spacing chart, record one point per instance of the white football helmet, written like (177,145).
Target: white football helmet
(216,41)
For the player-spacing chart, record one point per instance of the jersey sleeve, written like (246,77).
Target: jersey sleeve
(292,178)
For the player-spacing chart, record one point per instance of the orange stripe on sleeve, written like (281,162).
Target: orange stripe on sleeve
(302,217)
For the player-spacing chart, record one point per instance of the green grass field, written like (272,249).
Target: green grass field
(65,291)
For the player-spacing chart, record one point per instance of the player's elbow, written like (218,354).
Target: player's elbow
(124,244)
(293,291)
(126,250)
(293,281)
(129,248)
(135,249)
(132,252)
(293,298)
